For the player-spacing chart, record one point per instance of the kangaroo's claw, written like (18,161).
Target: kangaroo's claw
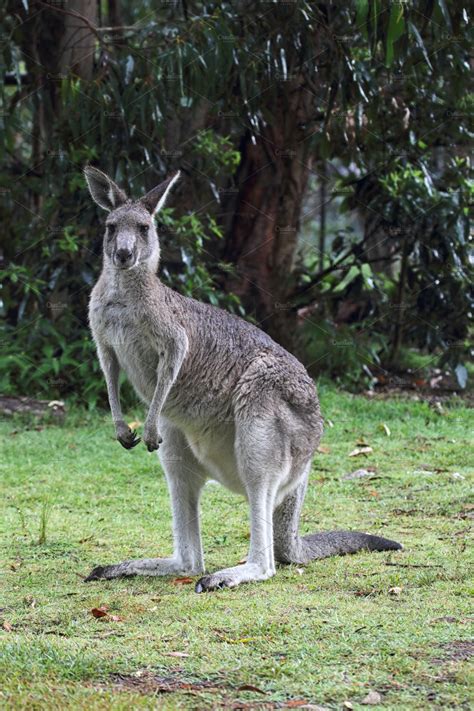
(130,440)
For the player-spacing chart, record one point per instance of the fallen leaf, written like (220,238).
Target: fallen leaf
(300,571)
(373,493)
(99,611)
(295,703)
(360,450)
(249,687)
(134,425)
(358,474)
(447,618)
(372,698)
(456,475)
(7,626)
(182,581)
(347,705)
(395,591)
(115,618)
(175,654)
(323,449)
(386,429)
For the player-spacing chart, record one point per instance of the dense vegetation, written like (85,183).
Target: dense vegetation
(326,173)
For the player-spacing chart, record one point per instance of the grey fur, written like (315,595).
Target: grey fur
(224,401)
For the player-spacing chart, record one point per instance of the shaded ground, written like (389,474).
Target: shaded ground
(393,629)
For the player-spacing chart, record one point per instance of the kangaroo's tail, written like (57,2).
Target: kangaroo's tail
(290,547)
(323,545)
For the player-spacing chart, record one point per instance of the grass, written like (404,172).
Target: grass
(396,624)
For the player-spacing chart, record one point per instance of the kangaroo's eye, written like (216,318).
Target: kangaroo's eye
(111,228)
(143,229)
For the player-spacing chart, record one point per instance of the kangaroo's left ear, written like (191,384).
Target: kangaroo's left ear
(156,198)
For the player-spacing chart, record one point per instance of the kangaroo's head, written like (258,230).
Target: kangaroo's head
(130,236)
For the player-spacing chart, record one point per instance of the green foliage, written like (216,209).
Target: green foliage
(183,87)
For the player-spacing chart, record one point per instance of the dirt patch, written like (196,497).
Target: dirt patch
(458,651)
(147,683)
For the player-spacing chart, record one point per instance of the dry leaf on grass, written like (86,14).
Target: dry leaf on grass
(386,429)
(372,698)
(323,449)
(395,591)
(361,450)
(7,626)
(102,613)
(250,687)
(175,654)
(134,425)
(182,581)
(358,474)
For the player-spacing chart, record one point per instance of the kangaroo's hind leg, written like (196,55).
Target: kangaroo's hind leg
(185,477)
(263,462)
(290,547)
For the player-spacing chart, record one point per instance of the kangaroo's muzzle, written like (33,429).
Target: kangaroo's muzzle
(124,258)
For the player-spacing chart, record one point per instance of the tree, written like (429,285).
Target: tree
(370,101)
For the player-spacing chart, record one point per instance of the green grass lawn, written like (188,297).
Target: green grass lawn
(397,624)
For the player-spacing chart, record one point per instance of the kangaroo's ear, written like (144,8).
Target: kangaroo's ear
(156,198)
(103,190)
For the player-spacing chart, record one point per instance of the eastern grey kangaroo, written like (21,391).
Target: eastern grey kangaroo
(224,401)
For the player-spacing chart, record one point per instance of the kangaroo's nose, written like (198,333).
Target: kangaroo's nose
(124,255)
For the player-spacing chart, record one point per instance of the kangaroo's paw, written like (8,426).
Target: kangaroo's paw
(143,566)
(231,577)
(127,437)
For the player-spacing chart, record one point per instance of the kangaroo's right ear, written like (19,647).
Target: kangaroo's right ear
(103,190)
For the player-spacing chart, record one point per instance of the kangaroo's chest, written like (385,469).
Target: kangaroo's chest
(122,328)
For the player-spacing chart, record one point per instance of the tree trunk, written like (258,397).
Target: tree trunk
(78,41)
(400,305)
(54,43)
(263,236)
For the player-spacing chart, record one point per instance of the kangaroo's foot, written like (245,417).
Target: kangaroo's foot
(231,577)
(143,566)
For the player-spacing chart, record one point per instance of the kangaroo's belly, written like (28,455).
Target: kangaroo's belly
(214,448)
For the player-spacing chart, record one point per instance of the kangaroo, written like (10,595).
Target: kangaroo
(224,402)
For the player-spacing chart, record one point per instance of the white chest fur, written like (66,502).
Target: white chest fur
(119,326)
